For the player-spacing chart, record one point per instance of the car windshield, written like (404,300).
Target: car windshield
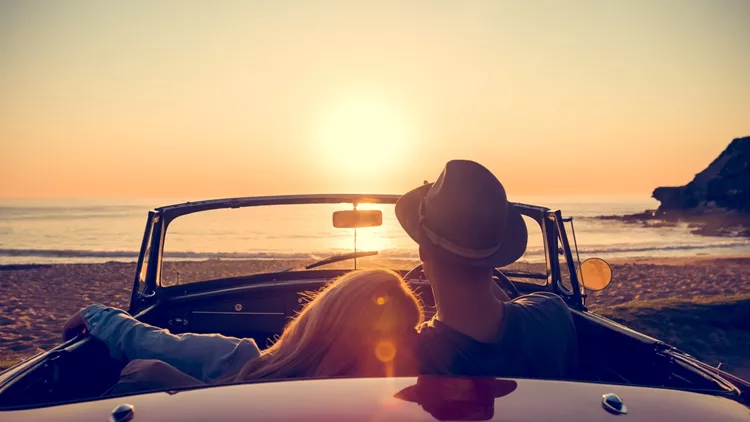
(223,243)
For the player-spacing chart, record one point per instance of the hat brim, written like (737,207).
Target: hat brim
(512,248)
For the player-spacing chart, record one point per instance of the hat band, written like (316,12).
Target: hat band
(451,247)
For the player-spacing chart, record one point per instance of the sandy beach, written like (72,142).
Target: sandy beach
(39,298)
(674,278)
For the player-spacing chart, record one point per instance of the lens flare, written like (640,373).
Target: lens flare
(385,351)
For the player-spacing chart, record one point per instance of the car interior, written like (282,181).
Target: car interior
(259,306)
(243,307)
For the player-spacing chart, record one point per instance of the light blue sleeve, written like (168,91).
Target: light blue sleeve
(206,357)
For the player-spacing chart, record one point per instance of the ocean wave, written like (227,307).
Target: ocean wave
(77,253)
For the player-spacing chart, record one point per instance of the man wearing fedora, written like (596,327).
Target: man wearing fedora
(465,227)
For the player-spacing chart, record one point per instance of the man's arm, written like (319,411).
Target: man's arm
(206,357)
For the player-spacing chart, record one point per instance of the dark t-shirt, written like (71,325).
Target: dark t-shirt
(538,340)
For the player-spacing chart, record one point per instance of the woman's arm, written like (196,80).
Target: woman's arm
(206,357)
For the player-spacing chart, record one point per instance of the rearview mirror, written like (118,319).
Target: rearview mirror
(352,219)
(595,274)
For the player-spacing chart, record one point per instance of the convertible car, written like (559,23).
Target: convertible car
(622,374)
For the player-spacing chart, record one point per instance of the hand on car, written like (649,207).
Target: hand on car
(74,326)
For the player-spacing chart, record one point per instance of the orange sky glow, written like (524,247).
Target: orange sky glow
(238,98)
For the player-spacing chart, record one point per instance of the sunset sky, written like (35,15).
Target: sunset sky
(210,99)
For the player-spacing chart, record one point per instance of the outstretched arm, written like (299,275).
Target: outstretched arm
(206,357)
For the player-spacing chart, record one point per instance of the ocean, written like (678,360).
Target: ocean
(39,231)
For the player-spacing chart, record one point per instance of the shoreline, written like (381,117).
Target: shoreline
(707,223)
(640,259)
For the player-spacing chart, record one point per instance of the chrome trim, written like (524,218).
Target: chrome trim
(612,403)
(8,375)
(261,285)
(176,210)
(298,199)
(122,413)
(144,311)
(706,370)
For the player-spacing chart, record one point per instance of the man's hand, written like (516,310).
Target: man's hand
(74,326)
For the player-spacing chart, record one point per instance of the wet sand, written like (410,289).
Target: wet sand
(38,299)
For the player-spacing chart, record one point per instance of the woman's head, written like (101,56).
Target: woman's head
(359,324)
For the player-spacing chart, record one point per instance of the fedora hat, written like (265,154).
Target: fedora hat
(464,216)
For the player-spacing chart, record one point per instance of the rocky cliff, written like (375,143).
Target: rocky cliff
(715,203)
(724,184)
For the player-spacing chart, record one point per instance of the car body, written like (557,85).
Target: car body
(655,381)
(374,399)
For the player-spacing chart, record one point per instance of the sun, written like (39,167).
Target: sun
(363,135)
(368,239)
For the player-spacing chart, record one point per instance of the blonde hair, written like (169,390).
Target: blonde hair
(357,325)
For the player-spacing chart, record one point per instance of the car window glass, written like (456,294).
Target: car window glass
(225,243)
(144,267)
(564,268)
(532,266)
(142,271)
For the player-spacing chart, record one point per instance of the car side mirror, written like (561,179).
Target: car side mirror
(595,274)
(352,219)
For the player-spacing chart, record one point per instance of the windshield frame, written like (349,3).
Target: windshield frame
(575,294)
(166,214)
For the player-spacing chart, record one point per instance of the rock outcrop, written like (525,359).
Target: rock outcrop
(715,203)
(724,184)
